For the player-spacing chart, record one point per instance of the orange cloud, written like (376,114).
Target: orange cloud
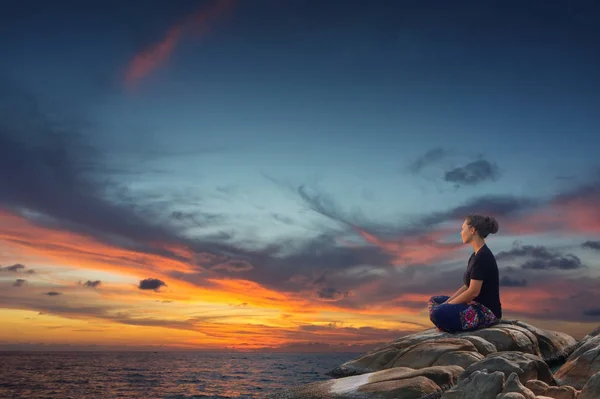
(69,249)
(151,58)
(418,249)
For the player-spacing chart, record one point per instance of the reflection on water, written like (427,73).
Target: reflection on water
(158,375)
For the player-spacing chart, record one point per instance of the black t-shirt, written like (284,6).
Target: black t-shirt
(482,266)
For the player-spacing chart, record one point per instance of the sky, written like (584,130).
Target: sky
(291,176)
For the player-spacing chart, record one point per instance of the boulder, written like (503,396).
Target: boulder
(540,388)
(591,389)
(583,363)
(397,383)
(432,347)
(510,360)
(525,365)
(478,385)
(513,385)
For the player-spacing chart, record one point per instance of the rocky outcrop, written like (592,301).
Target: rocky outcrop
(398,382)
(582,363)
(431,347)
(511,360)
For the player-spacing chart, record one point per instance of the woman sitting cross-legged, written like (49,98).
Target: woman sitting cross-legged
(477,303)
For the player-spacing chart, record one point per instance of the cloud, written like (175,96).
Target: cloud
(154,56)
(432,156)
(53,178)
(92,284)
(19,282)
(543,258)
(567,262)
(53,293)
(151,284)
(506,281)
(594,312)
(595,245)
(537,251)
(234,266)
(472,173)
(332,294)
(14,268)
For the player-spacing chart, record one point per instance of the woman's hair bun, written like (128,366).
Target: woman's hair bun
(492,224)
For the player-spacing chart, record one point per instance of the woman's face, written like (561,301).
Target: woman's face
(466,233)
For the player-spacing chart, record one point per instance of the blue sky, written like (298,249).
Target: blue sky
(293,125)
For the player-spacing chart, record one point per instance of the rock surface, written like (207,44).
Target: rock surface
(427,347)
(398,382)
(510,360)
(583,362)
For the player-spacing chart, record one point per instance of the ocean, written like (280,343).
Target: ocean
(165,375)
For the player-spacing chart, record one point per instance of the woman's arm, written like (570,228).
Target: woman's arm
(469,294)
(457,293)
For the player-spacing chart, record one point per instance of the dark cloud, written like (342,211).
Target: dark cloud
(594,312)
(537,251)
(53,293)
(52,175)
(92,284)
(430,157)
(473,173)
(14,268)
(506,281)
(19,282)
(498,206)
(595,245)
(234,266)
(151,284)
(566,262)
(332,294)
(542,258)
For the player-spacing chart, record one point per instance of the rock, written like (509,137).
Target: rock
(478,385)
(564,392)
(525,365)
(484,347)
(399,382)
(542,389)
(426,354)
(580,367)
(537,387)
(425,348)
(510,395)
(591,390)
(408,388)
(554,346)
(509,360)
(460,358)
(514,385)
(445,376)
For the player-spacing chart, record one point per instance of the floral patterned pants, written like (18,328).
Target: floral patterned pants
(461,317)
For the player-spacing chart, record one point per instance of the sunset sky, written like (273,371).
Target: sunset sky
(291,175)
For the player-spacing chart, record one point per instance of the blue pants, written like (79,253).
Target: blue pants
(460,317)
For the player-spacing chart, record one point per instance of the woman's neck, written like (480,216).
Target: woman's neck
(477,244)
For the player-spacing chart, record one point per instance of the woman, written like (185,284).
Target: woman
(477,303)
